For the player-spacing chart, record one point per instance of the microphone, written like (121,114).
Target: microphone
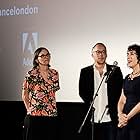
(115,63)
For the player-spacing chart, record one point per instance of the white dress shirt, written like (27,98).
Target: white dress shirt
(101,101)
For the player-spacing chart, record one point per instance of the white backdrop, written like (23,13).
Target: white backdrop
(69,29)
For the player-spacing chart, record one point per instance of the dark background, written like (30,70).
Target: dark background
(71,116)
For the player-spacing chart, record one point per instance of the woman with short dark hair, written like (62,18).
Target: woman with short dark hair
(38,93)
(129,103)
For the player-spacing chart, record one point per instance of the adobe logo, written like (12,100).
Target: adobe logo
(29,45)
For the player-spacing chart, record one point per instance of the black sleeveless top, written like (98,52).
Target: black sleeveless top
(132,94)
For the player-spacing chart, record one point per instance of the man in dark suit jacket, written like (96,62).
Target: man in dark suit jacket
(105,104)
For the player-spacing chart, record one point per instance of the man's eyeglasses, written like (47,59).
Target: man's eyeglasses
(100,52)
(44,55)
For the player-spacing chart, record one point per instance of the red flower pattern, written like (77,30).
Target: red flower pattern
(42,92)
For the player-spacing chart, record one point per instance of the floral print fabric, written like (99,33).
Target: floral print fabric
(42,92)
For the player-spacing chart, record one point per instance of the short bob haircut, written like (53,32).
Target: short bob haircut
(136,48)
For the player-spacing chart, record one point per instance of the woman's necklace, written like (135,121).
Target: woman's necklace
(134,74)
